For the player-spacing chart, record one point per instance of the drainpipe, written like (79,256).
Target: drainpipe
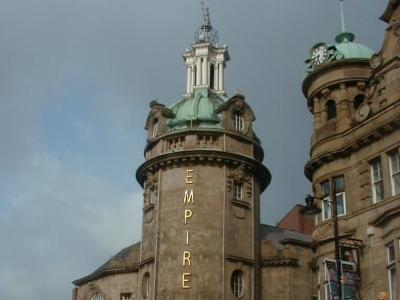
(370,234)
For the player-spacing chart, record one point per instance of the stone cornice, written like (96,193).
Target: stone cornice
(296,242)
(386,216)
(319,242)
(208,131)
(247,261)
(323,70)
(187,157)
(277,263)
(387,126)
(103,273)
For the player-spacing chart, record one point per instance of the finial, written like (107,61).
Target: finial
(206,33)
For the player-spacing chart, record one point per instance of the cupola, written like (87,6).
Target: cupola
(206,61)
(345,48)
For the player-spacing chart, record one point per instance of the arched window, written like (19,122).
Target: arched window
(146,285)
(238,121)
(330,109)
(155,128)
(98,296)
(358,100)
(237,283)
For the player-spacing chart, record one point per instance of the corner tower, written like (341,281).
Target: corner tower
(354,97)
(202,179)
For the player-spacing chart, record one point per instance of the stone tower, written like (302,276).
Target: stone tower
(355,99)
(202,179)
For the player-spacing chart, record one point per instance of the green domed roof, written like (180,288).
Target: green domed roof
(200,109)
(349,49)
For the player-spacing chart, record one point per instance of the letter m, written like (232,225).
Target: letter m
(188,197)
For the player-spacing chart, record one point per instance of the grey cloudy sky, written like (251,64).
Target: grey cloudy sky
(76,77)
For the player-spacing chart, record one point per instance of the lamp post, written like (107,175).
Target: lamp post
(311,208)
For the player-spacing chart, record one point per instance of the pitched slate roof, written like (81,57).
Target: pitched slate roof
(125,261)
(279,237)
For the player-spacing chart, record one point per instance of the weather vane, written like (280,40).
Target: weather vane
(206,33)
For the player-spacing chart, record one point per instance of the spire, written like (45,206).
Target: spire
(342,14)
(344,36)
(206,33)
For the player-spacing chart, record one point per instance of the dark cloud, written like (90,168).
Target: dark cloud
(75,81)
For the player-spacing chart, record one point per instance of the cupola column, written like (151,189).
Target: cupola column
(198,71)
(204,72)
(221,77)
(193,70)
(189,80)
(215,66)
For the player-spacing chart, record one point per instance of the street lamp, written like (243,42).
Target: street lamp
(311,208)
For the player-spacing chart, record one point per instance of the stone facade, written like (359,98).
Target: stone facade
(356,140)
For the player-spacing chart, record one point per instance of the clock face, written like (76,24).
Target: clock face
(319,55)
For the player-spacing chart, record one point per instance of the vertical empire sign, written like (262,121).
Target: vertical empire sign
(188,201)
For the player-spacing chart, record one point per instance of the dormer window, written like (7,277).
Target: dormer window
(330,109)
(238,121)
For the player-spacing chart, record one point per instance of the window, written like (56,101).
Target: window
(237,284)
(126,296)
(237,191)
(146,285)
(358,101)
(340,198)
(394,160)
(98,296)
(155,128)
(331,109)
(392,275)
(326,207)
(238,122)
(340,195)
(327,289)
(377,180)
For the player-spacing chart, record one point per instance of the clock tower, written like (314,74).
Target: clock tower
(202,179)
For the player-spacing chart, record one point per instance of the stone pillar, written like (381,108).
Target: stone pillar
(216,77)
(198,71)
(204,72)
(343,111)
(221,77)
(192,78)
(189,79)
(317,114)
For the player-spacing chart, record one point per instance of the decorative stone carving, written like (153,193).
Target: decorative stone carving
(326,92)
(375,61)
(238,175)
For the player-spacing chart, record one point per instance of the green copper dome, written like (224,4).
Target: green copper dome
(345,48)
(349,49)
(199,109)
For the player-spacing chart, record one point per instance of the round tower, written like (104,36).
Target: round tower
(202,179)
(354,158)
